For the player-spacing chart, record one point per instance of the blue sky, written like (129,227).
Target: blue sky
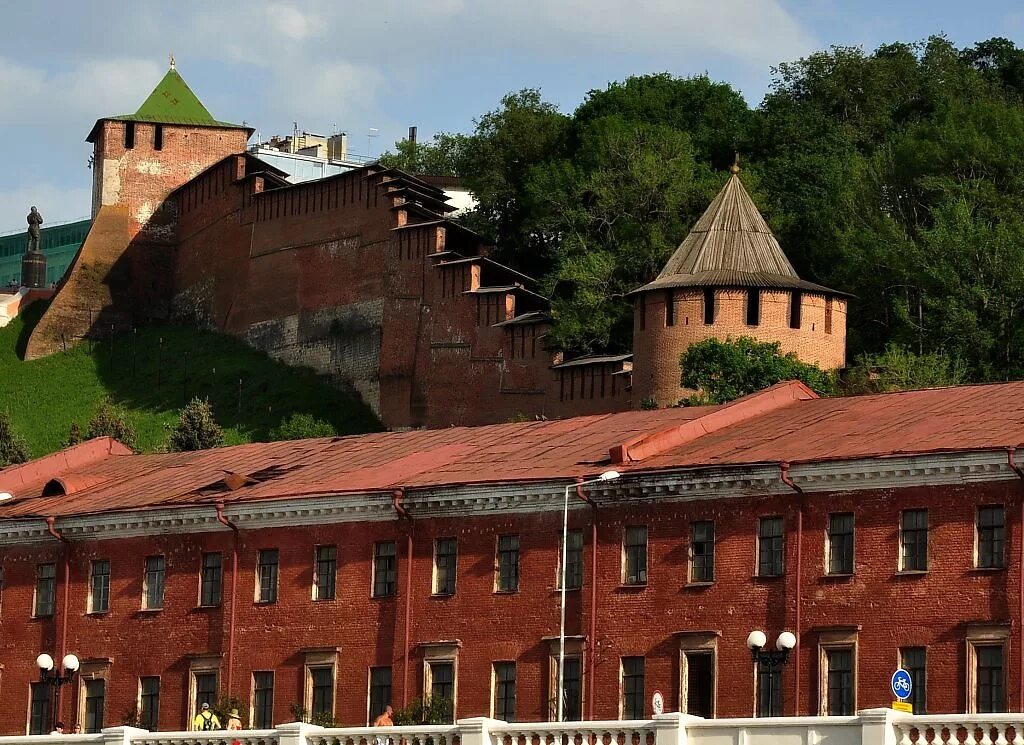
(336,65)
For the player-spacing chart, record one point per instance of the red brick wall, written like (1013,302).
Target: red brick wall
(890,610)
(658,347)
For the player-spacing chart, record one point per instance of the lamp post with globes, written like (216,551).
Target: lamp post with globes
(768,661)
(55,679)
(606,476)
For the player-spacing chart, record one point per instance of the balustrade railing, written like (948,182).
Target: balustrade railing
(868,727)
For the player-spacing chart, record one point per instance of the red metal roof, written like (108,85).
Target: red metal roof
(780,424)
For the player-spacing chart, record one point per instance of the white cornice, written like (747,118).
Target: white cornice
(716,482)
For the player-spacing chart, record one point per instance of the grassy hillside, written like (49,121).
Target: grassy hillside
(152,373)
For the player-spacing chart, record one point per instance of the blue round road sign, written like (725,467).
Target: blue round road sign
(902,685)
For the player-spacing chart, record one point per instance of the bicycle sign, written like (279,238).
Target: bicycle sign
(902,685)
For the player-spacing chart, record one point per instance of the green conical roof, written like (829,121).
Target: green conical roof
(172,102)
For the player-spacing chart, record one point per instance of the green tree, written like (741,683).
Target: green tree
(721,371)
(111,421)
(900,369)
(301,426)
(197,428)
(75,436)
(13,449)
(442,156)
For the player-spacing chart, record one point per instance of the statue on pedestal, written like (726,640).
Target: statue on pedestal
(34,221)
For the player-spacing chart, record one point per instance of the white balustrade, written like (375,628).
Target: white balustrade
(868,727)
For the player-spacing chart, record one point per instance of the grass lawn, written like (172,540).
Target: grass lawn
(152,373)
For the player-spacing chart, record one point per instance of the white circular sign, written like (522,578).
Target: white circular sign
(658,703)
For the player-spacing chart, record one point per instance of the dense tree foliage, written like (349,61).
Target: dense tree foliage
(895,175)
(13,449)
(721,371)
(111,420)
(197,428)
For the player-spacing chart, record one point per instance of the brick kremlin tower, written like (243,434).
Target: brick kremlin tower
(730,278)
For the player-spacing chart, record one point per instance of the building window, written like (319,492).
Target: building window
(702,551)
(795,300)
(46,588)
(753,307)
(912,659)
(505,691)
(380,690)
(828,315)
(840,543)
(991,537)
(508,563)
(39,710)
(206,690)
(95,691)
(153,584)
(263,699)
(572,690)
(158,137)
(769,691)
(989,679)
(445,561)
(384,569)
(210,582)
(149,703)
(839,666)
(670,308)
(326,571)
(770,546)
(709,306)
(442,683)
(573,561)
(914,541)
(99,586)
(129,135)
(266,575)
(321,681)
(634,555)
(700,683)
(632,705)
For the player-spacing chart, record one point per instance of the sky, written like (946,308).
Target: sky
(341,66)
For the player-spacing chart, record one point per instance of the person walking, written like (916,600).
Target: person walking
(205,719)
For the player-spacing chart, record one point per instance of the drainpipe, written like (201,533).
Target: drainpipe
(396,498)
(592,646)
(219,506)
(1019,470)
(66,556)
(784,474)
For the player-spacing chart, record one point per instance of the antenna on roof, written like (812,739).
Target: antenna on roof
(171,59)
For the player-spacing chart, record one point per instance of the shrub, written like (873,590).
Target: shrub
(197,429)
(13,449)
(112,421)
(302,427)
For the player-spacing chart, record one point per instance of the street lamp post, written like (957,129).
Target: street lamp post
(55,679)
(606,476)
(769,659)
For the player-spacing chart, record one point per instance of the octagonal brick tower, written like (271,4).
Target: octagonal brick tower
(730,278)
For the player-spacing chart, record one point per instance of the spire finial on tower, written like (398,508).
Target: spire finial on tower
(171,58)
(735,167)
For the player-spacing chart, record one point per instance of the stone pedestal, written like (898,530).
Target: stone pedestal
(33,269)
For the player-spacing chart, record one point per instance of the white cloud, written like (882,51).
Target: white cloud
(291,21)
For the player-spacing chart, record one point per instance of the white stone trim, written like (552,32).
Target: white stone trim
(709,482)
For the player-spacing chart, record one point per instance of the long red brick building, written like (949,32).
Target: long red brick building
(364,277)
(336,575)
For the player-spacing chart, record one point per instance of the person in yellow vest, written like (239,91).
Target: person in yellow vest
(206,719)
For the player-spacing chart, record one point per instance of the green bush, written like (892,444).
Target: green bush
(301,426)
(13,449)
(197,429)
(112,421)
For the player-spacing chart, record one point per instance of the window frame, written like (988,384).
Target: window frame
(997,558)
(40,719)
(371,715)
(706,558)
(444,577)
(752,316)
(507,564)
(92,607)
(982,636)
(149,720)
(214,583)
(919,692)
(324,591)
(838,640)
(256,706)
(779,552)
(312,671)
(916,531)
(573,561)
(634,556)
(697,643)
(382,575)
(39,611)
(499,690)
(153,600)
(627,707)
(848,564)
(268,575)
